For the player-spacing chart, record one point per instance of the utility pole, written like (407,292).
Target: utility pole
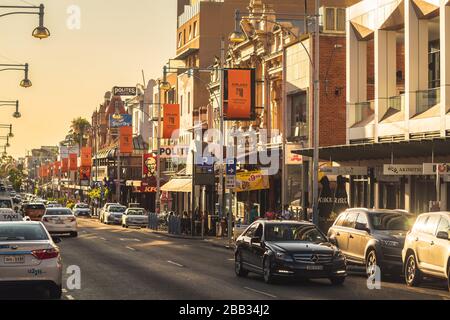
(118,168)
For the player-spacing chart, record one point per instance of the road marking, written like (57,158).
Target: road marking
(129,239)
(101,238)
(130,248)
(176,264)
(64,290)
(70,297)
(261,292)
(230,259)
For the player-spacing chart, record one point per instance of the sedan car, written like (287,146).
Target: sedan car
(82,209)
(60,221)
(137,217)
(34,211)
(113,214)
(288,249)
(372,238)
(105,208)
(29,256)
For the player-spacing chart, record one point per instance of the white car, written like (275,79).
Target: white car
(60,221)
(137,217)
(28,255)
(82,209)
(104,208)
(113,214)
(7,214)
(54,204)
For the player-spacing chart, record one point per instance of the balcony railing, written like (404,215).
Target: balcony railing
(396,102)
(427,99)
(363,110)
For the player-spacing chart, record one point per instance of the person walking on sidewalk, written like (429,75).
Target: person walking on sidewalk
(286,214)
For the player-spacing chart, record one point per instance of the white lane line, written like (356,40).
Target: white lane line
(130,248)
(70,297)
(101,238)
(129,239)
(176,264)
(260,292)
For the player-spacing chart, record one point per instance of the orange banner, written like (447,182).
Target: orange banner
(73,162)
(126,140)
(85,173)
(86,157)
(65,165)
(56,166)
(239,94)
(171,121)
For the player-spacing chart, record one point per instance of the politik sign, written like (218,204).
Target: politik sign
(124,91)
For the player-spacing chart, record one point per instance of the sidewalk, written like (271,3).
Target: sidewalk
(214,241)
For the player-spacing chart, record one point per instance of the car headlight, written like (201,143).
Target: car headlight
(338,254)
(284,257)
(390,243)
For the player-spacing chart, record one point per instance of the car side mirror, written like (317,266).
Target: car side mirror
(255,240)
(332,241)
(443,235)
(362,227)
(56,239)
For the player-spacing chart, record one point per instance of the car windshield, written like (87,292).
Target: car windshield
(294,232)
(391,221)
(81,206)
(58,212)
(21,232)
(136,212)
(117,209)
(5,203)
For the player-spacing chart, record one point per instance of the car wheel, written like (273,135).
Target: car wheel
(337,281)
(238,267)
(268,275)
(371,263)
(74,234)
(413,276)
(55,292)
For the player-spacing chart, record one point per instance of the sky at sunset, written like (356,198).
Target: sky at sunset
(73,69)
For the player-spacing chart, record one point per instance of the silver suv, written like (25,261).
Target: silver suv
(427,249)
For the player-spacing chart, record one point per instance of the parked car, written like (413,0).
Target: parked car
(35,211)
(82,209)
(113,214)
(28,255)
(288,248)
(6,202)
(104,208)
(137,217)
(60,221)
(372,237)
(427,249)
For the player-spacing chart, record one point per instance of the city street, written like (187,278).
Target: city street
(137,264)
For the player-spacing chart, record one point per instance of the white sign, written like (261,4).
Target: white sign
(177,151)
(403,169)
(230,182)
(434,168)
(292,158)
(345,171)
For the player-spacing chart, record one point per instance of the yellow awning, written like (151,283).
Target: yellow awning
(178,185)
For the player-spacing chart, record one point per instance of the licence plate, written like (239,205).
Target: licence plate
(14,259)
(315,268)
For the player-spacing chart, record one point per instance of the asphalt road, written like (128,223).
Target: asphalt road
(133,264)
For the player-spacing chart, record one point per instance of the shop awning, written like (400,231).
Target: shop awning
(178,185)
(385,150)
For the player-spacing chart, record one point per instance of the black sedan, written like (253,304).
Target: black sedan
(286,248)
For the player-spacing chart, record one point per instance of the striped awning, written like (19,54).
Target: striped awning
(178,185)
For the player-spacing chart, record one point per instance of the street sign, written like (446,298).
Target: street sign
(124,91)
(230,182)
(403,170)
(345,171)
(231,167)
(435,168)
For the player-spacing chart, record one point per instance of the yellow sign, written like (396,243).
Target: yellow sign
(250,181)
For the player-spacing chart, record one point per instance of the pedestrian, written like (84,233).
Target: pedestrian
(286,214)
(253,215)
(270,214)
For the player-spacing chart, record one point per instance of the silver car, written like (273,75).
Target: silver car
(137,217)
(28,255)
(113,214)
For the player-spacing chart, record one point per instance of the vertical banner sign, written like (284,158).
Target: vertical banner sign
(149,165)
(65,165)
(86,157)
(171,121)
(73,162)
(239,95)
(56,167)
(126,140)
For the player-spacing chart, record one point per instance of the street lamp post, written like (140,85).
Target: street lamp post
(238,37)
(40,32)
(25,83)
(7,126)
(16,114)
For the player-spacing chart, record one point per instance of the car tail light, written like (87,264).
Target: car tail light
(45,254)
(45,219)
(72,219)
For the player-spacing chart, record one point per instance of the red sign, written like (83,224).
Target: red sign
(126,140)
(149,165)
(56,167)
(86,157)
(85,173)
(171,122)
(65,165)
(239,94)
(73,159)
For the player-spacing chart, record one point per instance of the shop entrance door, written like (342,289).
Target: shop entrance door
(424,192)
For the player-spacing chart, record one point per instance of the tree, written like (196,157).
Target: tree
(79,128)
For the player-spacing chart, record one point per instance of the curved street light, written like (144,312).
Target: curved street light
(40,32)
(7,126)
(25,83)
(16,114)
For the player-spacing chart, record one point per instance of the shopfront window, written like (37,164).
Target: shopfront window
(298,117)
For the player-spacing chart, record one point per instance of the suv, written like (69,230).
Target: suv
(427,249)
(373,238)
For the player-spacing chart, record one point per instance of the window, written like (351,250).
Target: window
(431,224)
(180,39)
(329,19)
(340,21)
(350,221)
(294,232)
(299,117)
(340,220)
(390,221)
(189,103)
(190,33)
(362,219)
(334,20)
(251,231)
(181,105)
(195,29)
(443,226)
(22,232)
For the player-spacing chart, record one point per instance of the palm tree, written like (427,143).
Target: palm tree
(79,128)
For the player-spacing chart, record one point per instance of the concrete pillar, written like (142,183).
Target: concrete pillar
(385,70)
(376,195)
(408,188)
(444,199)
(356,74)
(416,55)
(445,63)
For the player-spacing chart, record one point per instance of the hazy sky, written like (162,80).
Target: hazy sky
(73,69)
